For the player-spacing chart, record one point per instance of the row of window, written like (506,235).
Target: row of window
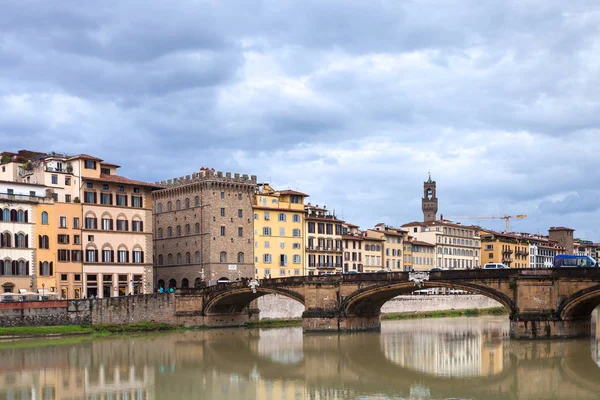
(187,203)
(373,247)
(188,231)
(188,258)
(283,259)
(12,215)
(323,260)
(44,240)
(121,200)
(20,240)
(458,242)
(281,217)
(108,224)
(10,267)
(267,245)
(267,231)
(396,252)
(373,260)
(121,256)
(324,244)
(324,229)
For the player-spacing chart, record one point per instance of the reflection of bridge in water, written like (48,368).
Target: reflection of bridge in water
(460,358)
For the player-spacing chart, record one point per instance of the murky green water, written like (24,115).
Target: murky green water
(458,358)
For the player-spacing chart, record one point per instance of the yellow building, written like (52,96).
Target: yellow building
(423,255)
(278,232)
(392,240)
(68,249)
(372,252)
(504,248)
(323,241)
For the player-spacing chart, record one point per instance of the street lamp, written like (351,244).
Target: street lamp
(43,291)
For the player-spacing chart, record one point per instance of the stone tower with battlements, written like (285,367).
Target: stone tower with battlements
(203,229)
(429,203)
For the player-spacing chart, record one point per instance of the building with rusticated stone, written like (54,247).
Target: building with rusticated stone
(203,229)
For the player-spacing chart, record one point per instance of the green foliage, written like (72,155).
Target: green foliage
(136,327)
(44,330)
(275,323)
(469,312)
(5,159)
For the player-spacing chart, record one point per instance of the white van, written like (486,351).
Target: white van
(495,266)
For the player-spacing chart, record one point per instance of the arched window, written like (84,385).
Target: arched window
(178,229)
(46,268)
(188,229)
(197,201)
(160,233)
(187,203)
(240,258)
(197,228)
(44,218)
(178,205)
(13,215)
(22,271)
(198,283)
(172,284)
(223,257)
(159,208)
(20,216)
(160,259)
(169,232)
(161,283)
(44,242)
(5,239)
(197,257)
(20,240)
(170,259)
(185,283)
(169,206)
(179,259)
(188,258)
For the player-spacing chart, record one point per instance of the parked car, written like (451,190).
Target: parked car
(223,280)
(436,269)
(383,271)
(495,266)
(350,273)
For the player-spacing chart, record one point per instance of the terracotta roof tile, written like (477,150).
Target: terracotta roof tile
(85,156)
(294,193)
(123,180)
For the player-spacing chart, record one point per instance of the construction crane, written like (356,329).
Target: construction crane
(506,218)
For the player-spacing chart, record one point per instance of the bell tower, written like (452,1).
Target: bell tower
(429,201)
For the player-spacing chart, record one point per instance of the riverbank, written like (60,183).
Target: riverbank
(73,330)
(469,312)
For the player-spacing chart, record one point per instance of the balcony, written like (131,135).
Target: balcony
(507,260)
(507,251)
(328,265)
(25,198)
(522,253)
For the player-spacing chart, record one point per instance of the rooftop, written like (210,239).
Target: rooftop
(123,180)
(293,193)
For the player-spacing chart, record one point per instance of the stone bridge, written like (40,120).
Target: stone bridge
(552,303)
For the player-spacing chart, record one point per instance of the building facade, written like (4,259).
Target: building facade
(324,250)
(19,251)
(456,246)
(203,229)
(392,240)
(99,228)
(504,248)
(278,232)
(352,242)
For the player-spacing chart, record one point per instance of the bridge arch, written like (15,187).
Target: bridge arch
(236,300)
(368,301)
(580,304)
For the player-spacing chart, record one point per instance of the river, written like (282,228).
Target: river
(456,358)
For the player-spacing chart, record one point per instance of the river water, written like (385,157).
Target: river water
(456,358)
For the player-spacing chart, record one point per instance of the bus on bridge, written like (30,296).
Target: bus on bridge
(568,261)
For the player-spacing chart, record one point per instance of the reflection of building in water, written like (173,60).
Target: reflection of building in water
(447,350)
(282,346)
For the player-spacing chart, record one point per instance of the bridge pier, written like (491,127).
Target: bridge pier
(319,320)
(545,327)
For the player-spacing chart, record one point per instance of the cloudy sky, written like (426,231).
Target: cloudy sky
(350,101)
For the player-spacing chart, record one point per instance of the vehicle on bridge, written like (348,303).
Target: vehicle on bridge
(568,261)
(495,266)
